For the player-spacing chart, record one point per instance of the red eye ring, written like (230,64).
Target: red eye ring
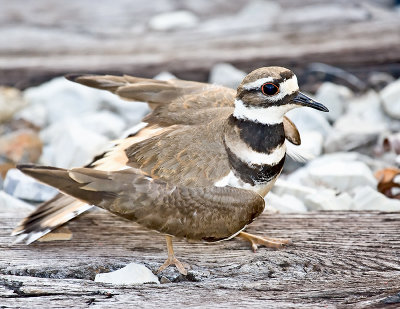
(269,89)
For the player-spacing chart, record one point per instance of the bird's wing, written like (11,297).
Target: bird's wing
(200,213)
(174,101)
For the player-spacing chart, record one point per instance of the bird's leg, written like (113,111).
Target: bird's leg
(263,241)
(172,260)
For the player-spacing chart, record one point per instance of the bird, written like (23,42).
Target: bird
(197,167)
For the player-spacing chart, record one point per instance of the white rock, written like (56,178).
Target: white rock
(284,203)
(340,171)
(63,99)
(12,204)
(335,98)
(71,146)
(173,20)
(34,113)
(164,75)
(367,198)
(307,119)
(24,187)
(227,75)
(391,99)
(284,187)
(326,199)
(104,123)
(132,273)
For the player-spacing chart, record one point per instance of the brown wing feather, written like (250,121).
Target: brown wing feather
(208,213)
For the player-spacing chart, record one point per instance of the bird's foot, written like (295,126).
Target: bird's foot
(263,241)
(172,260)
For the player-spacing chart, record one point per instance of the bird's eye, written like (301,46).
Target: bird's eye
(269,89)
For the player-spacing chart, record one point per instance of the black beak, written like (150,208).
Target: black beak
(302,99)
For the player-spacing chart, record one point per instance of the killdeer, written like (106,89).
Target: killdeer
(198,166)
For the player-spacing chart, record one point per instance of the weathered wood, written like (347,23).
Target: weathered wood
(339,259)
(364,36)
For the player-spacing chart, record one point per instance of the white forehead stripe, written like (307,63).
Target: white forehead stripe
(264,115)
(258,83)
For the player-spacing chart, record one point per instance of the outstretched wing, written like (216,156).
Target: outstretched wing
(200,213)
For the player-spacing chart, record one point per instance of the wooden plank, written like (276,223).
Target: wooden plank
(339,259)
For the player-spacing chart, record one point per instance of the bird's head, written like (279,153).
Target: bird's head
(266,94)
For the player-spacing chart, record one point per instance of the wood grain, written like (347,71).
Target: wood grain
(339,259)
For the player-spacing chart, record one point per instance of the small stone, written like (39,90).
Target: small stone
(391,99)
(24,187)
(21,146)
(164,280)
(132,273)
(335,98)
(11,101)
(9,204)
(34,113)
(367,198)
(284,203)
(164,75)
(173,21)
(227,75)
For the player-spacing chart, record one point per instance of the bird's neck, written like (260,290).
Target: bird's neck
(256,149)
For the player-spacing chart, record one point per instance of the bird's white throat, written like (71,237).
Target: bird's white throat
(264,115)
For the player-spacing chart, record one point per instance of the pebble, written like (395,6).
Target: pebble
(391,99)
(24,187)
(104,123)
(173,21)
(327,199)
(225,74)
(11,101)
(21,146)
(132,273)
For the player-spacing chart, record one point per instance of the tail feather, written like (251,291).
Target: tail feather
(47,217)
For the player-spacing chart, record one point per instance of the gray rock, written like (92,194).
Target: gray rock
(284,203)
(227,75)
(72,145)
(367,198)
(9,204)
(173,21)
(335,98)
(24,187)
(391,99)
(132,273)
